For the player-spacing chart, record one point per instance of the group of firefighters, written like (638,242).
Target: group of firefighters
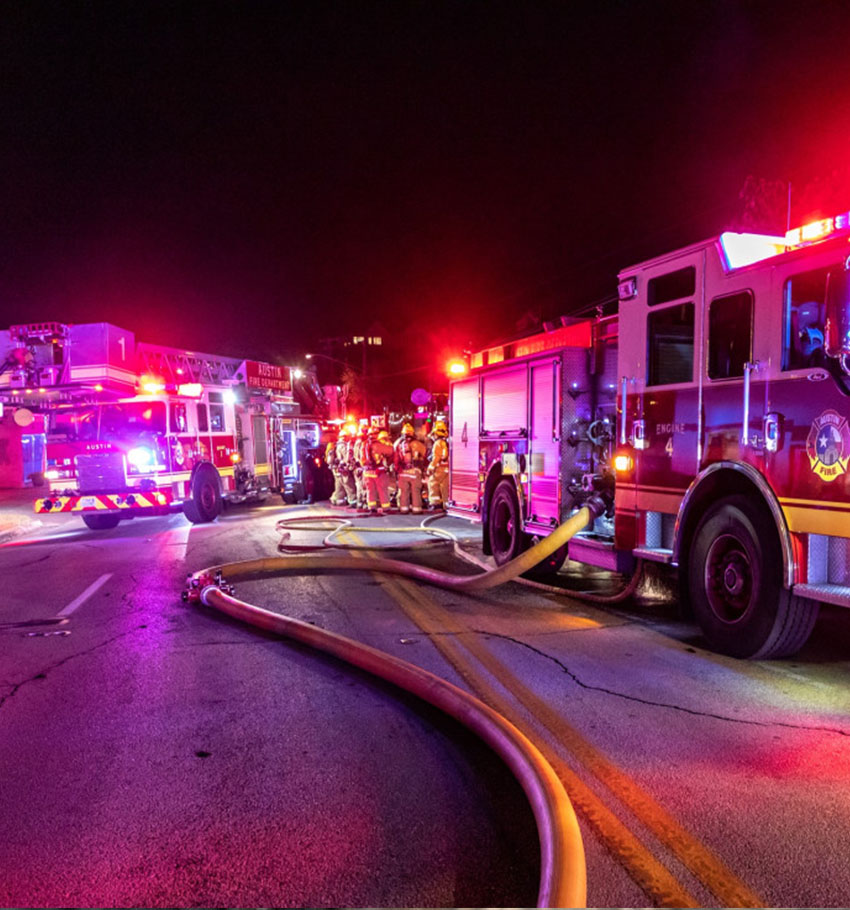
(370,470)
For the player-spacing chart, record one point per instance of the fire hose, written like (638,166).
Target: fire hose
(336,526)
(562,865)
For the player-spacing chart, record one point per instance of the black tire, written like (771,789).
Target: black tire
(734,574)
(507,540)
(97,521)
(205,502)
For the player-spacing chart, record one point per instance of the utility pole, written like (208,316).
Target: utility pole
(365,393)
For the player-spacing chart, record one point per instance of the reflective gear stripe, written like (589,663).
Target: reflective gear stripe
(103,502)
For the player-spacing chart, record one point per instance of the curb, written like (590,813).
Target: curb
(19,530)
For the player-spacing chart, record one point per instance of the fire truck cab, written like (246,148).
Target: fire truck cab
(155,453)
(712,411)
(197,434)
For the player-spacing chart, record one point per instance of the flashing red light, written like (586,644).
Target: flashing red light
(457,368)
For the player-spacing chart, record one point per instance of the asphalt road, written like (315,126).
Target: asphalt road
(159,754)
(155,754)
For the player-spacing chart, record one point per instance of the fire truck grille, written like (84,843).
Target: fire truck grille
(101,472)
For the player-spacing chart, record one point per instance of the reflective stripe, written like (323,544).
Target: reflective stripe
(104,502)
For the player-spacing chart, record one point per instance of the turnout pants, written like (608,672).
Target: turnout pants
(349,486)
(438,487)
(338,497)
(360,488)
(377,488)
(410,490)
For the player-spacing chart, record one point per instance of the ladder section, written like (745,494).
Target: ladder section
(176,366)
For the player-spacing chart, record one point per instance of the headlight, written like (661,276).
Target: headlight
(142,458)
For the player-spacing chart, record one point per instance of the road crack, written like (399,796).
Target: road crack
(670,706)
(43,673)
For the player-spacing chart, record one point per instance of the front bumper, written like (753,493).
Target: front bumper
(133,500)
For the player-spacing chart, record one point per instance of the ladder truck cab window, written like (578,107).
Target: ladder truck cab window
(217,424)
(804,321)
(672,286)
(730,335)
(71,425)
(177,417)
(670,337)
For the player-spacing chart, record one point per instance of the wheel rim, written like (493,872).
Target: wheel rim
(207,497)
(729,579)
(503,527)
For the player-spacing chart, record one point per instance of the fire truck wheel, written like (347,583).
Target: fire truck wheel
(735,584)
(205,501)
(506,537)
(99,522)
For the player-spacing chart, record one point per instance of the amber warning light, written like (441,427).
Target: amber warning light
(457,368)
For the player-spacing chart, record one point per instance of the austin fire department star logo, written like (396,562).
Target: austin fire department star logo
(828,445)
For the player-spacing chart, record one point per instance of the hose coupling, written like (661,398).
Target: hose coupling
(597,503)
(197,585)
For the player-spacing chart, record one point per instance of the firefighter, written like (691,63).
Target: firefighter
(344,461)
(357,468)
(409,460)
(332,461)
(376,454)
(438,469)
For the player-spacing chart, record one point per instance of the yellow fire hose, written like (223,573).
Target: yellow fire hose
(470,583)
(563,872)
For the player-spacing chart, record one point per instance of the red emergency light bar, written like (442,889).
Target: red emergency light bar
(745,249)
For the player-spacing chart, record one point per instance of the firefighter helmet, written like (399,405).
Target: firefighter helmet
(407,430)
(384,436)
(440,428)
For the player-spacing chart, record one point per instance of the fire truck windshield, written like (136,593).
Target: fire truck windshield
(838,317)
(118,421)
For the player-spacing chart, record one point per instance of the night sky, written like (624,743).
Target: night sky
(247,178)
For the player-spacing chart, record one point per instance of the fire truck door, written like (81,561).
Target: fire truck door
(544,444)
(283,451)
(666,435)
(735,382)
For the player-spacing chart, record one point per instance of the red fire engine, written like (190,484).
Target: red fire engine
(712,411)
(201,430)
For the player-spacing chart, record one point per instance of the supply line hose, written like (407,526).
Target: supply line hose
(467,583)
(563,871)
(337,526)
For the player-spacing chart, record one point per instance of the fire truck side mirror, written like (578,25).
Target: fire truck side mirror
(837,340)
